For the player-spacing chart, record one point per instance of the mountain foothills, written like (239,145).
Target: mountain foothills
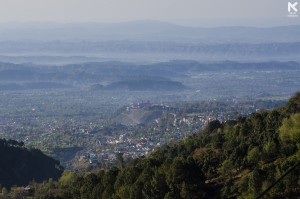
(235,159)
(176,75)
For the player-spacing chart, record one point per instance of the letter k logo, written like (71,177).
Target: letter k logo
(292,6)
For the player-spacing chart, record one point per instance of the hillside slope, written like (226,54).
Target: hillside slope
(19,166)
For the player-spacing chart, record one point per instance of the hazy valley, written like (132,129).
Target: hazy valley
(138,109)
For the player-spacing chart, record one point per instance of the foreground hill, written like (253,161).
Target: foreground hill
(236,159)
(19,166)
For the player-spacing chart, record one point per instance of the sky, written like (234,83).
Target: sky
(182,12)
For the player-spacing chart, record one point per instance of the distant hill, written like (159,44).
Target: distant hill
(137,116)
(19,165)
(160,76)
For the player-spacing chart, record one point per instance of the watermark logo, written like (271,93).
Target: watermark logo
(292,9)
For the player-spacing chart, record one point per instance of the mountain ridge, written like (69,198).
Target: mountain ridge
(145,30)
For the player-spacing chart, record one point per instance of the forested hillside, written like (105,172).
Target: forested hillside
(236,159)
(19,165)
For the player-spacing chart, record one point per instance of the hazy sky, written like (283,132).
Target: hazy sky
(192,12)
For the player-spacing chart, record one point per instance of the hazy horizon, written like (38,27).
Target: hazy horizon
(263,23)
(194,13)
(143,30)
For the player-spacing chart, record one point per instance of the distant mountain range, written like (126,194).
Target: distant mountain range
(126,46)
(147,30)
(144,41)
(114,70)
